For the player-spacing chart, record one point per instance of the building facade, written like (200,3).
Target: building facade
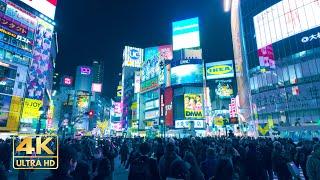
(27,57)
(277,51)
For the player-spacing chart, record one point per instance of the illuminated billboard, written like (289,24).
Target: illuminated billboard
(224,88)
(85,70)
(21,15)
(186,124)
(132,56)
(119,91)
(220,69)
(39,69)
(46,7)
(168,112)
(96,87)
(284,19)
(67,81)
(186,71)
(31,109)
(193,106)
(150,69)
(185,34)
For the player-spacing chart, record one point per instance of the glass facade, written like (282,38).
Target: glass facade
(289,90)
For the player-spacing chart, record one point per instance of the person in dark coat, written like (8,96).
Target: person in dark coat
(195,172)
(313,163)
(124,151)
(209,166)
(279,162)
(169,156)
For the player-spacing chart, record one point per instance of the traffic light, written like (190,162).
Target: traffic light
(90,113)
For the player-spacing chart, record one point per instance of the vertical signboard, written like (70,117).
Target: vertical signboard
(168,112)
(137,82)
(14,114)
(132,56)
(38,72)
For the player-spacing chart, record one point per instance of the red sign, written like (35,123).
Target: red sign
(67,81)
(266,57)
(168,97)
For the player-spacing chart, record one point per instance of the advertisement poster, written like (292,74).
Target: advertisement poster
(31,108)
(186,71)
(220,69)
(132,56)
(187,124)
(266,57)
(168,113)
(39,69)
(224,88)
(193,106)
(150,69)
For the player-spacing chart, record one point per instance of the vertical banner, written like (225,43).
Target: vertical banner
(14,114)
(168,114)
(39,69)
(137,82)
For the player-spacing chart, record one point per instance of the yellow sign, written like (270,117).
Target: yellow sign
(219,69)
(34,152)
(218,121)
(119,91)
(31,108)
(14,114)
(193,106)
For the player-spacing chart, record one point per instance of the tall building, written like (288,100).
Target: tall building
(277,57)
(26,66)
(83,93)
(98,72)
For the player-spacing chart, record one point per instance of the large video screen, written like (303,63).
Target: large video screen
(186,74)
(285,19)
(185,34)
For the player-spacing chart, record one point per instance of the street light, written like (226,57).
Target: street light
(227,5)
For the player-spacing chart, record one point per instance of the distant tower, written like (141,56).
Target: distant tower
(98,72)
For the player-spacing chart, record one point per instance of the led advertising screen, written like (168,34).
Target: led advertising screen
(186,71)
(46,7)
(132,56)
(193,106)
(224,88)
(39,69)
(284,19)
(185,34)
(220,69)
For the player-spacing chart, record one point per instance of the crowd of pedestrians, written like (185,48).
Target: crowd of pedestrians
(193,158)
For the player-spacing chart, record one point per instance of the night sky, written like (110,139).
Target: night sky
(99,29)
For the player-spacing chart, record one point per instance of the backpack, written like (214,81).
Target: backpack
(139,169)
